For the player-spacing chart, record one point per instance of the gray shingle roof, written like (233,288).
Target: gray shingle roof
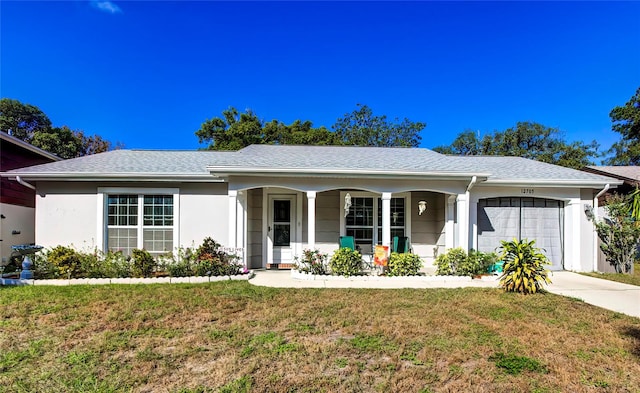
(518,168)
(306,159)
(336,158)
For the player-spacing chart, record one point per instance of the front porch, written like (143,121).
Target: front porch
(274,223)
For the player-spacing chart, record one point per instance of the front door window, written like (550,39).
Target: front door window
(281,222)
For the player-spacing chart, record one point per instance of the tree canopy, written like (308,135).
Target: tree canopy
(625,120)
(22,120)
(362,128)
(28,123)
(528,140)
(235,130)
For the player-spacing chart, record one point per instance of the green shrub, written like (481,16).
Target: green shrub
(115,264)
(479,262)
(620,232)
(42,268)
(211,260)
(457,262)
(66,261)
(179,264)
(405,264)
(346,262)
(524,270)
(90,265)
(451,263)
(207,260)
(312,261)
(142,263)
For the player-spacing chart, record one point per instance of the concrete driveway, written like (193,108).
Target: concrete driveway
(611,295)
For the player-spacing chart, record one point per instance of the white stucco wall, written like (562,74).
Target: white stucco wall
(66,214)
(204,211)
(69,213)
(19,219)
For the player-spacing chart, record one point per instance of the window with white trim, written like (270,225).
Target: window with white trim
(359,222)
(130,227)
(365,228)
(397,218)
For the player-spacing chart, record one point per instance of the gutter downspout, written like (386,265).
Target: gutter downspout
(24,183)
(595,233)
(472,183)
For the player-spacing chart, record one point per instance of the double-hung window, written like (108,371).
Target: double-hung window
(365,227)
(140,221)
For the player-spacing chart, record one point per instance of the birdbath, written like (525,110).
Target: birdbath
(26,250)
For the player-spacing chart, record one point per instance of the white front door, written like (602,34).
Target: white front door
(281,230)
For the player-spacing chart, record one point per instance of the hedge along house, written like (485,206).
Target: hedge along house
(271,202)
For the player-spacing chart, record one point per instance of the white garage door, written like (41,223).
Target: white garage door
(522,218)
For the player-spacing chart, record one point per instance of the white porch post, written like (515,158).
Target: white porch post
(311,220)
(386,219)
(233,218)
(463,220)
(449,234)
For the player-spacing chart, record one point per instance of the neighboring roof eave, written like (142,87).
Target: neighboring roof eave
(605,172)
(28,146)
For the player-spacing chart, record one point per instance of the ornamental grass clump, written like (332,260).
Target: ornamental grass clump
(524,270)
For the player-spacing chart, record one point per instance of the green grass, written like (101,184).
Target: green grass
(235,337)
(633,279)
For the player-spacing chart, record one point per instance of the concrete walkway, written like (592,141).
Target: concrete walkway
(623,298)
(283,279)
(611,295)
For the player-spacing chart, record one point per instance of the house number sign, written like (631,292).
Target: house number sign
(527,191)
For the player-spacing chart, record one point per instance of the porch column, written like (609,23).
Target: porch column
(233,218)
(449,229)
(386,219)
(311,220)
(462,208)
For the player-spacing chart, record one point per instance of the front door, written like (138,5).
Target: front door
(281,231)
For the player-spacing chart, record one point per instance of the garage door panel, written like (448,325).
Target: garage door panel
(523,218)
(497,222)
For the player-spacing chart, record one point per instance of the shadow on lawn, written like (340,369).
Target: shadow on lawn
(634,333)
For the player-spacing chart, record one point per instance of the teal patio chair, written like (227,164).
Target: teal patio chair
(347,242)
(401,244)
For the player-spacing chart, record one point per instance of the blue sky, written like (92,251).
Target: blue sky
(147,74)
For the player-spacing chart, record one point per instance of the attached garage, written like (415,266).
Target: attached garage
(536,219)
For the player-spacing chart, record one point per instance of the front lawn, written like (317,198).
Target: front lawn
(633,279)
(235,337)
